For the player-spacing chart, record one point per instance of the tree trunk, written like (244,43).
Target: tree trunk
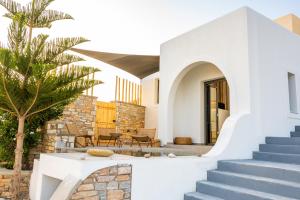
(18,159)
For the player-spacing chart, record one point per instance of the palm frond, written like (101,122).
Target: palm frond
(47,17)
(38,44)
(6,60)
(17,34)
(65,76)
(59,45)
(11,6)
(62,95)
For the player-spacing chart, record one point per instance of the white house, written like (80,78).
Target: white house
(231,82)
(260,61)
(242,64)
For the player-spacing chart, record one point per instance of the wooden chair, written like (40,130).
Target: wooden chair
(73,130)
(108,134)
(146,136)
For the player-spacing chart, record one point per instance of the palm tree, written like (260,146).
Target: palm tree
(34,71)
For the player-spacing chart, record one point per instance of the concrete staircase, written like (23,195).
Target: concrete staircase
(273,173)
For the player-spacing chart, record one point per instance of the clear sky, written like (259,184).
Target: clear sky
(140,26)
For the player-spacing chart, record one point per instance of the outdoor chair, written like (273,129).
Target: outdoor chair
(73,130)
(108,135)
(144,136)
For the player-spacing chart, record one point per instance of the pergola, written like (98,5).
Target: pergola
(137,65)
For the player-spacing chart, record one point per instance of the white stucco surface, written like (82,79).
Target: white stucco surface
(255,56)
(160,178)
(189,105)
(149,96)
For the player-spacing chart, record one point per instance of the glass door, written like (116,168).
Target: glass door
(217,108)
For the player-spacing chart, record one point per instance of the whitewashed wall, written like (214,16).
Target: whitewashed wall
(224,43)
(255,55)
(149,100)
(189,105)
(273,53)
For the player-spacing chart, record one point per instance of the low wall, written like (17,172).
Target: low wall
(82,113)
(111,183)
(152,178)
(5,184)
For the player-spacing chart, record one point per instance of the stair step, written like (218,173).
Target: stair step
(228,192)
(258,183)
(199,196)
(283,140)
(295,134)
(277,148)
(277,157)
(297,128)
(282,171)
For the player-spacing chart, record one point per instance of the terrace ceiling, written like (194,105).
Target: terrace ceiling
(138,65)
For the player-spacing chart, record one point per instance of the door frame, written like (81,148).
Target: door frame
(207,109)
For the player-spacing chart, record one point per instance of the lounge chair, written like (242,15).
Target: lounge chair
(144,136)
(108,135)
(73,130)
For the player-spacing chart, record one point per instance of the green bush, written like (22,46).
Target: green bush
(33,135)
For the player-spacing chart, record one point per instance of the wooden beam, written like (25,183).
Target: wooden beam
(141,94)
(93,78)
(130,89)
(126,90)
(119,89)
(137,94)
(134,93)
(116,88)
(123,89)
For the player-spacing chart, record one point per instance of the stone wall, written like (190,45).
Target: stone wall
(5,184)
(129,116)
(81,113)
(112,183)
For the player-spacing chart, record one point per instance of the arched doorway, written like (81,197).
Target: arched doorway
(201,103)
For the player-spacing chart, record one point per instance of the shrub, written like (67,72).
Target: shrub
(33,135)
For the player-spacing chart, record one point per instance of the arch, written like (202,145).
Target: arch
(171,113)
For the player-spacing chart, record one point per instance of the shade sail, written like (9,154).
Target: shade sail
(138,65)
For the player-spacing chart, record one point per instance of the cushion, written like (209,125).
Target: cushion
(100,152)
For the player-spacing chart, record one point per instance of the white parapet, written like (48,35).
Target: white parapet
(159,178)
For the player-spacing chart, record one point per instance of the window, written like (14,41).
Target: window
(292,93)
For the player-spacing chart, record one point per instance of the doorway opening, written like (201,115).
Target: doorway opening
(217,107)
